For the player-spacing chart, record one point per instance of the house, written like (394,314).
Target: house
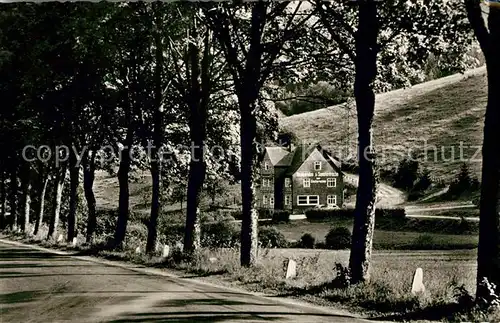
(300,178)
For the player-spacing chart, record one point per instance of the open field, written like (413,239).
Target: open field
(107,190)
(441,113)
(389,238)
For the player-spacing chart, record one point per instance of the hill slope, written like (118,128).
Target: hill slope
(438,115)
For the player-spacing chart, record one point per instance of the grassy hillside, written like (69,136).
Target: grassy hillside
(440,114)
(107,190)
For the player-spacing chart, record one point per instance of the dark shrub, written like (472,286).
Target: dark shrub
(307,241)
(348,213)
(281,216)
(172,234)
(265,213)
(326,214)
(424,181)
(236,215)
(407,173)
(222,234)
(320,245)
(464,185)
(414,195)
(106,223)
(269,237)
(397,213)
(136,236)
(338,238)
(350,166)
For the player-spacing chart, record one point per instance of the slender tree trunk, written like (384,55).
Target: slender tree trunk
(124,195)
(74,175)
(158,136)
(41,205)
(88,184)
(27,205)
(249,233)
(488,259)
(13,200)
(155,206)
(3,200)
(366,72)
(57,198)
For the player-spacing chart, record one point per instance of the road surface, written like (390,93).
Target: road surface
(40,286)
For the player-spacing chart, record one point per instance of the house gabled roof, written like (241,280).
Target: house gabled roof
(298,156)
(276,154)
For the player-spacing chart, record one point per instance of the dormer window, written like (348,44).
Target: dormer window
(317,165)
(266,166)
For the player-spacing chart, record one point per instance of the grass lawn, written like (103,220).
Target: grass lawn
(441,113)
(383,239)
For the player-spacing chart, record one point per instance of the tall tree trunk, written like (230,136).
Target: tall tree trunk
(3,199)
(13,200)
(74,177)
(249,233)
(192,237)
(366,72)
(124,195)
(57,201)
(27,205)
(88,184)
(157,135)
(199,93)
(248,94)
(488,259)
(41,205)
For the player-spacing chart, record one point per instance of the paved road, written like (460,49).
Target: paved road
(387,195)
(40,286)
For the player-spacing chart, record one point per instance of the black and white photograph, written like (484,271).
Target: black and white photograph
(250,161)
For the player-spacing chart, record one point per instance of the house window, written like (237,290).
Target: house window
(264,199)
(288,182)
(313,199)
(267,182)
(266,166)
(307,182)
(287,199)
(302,200)
(331,182)
(271,201)
(331,200)
(307,200)
(317,165)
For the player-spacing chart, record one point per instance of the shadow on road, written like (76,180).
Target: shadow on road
(38,286)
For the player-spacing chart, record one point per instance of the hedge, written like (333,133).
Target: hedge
(326,214)
(267,214)
(281,216)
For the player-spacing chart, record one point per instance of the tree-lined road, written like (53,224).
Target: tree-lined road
(39,286)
